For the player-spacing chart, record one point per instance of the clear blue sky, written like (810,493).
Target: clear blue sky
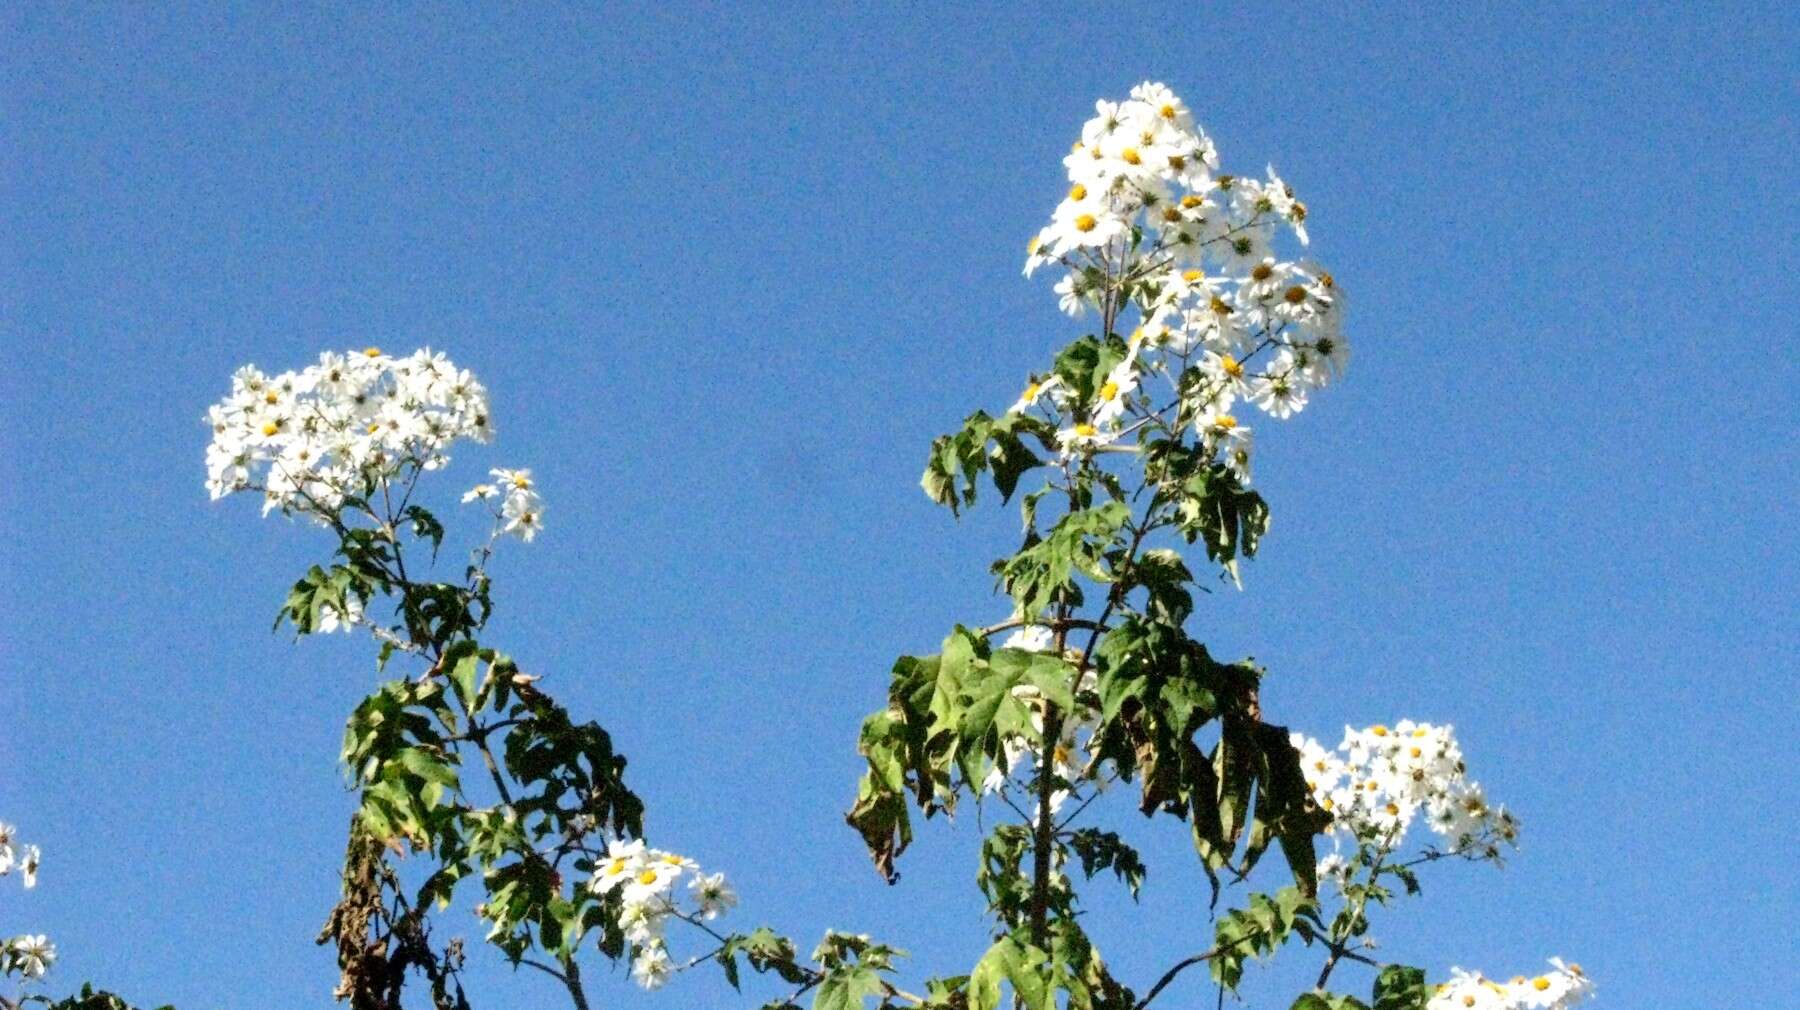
(727,272)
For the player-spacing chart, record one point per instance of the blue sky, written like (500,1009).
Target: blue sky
(728,271)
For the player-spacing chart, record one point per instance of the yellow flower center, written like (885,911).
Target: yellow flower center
(1540,983)
(647,877)
(1469,1000)
(371,352)
(672,859)
(1393,810)
(1177,162)
(1130,156)
(1295,295)
(1085,223)
(1078,192)
(1030,393)
(1379,730)
(271,397)
(1416,752)
(1109,391)
(271,428)
(1219,307)
(1167,111)
(1191,201)
(1224,422)
(521,482)
(615,867)
(1171,214)
(1086,430)
(1262,272)
(1193,276)
(1031,246)
(1230,366)
(1420,733)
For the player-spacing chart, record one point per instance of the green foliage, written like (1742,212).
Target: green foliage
(1002,876)
(766,951)
(1165,579)
(1036,976)
(1009,962)
(1211,504)
(1162,712)
(1399,987)
(1085,542)
(851,971)
(946,718)
(559,782)
(1158,690)
(1321,1000)
(1261,929)
(88,999)
(983,444)
(1105,850)
(1083,364)
(318,592)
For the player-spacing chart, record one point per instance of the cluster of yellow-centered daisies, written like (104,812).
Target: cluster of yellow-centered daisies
(1153,237)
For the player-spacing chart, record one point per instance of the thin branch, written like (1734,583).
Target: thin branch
(546,969)
(1054,624)
(1183,965)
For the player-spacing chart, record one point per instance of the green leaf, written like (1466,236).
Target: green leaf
(1399,987)
(1258,931)
(463,661)
(846,988)
(1321,1000)
(983,443)
(1020,964)
(1043,571)
(1103,850)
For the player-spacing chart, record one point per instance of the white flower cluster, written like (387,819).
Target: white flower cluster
(1559,989)
(308,440)
(1148,224)
(1379,779)
(646,880)
(16,855)
(26,955)
(520,510)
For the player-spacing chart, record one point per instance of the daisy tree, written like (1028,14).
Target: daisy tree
(1131,458)
(463,761)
